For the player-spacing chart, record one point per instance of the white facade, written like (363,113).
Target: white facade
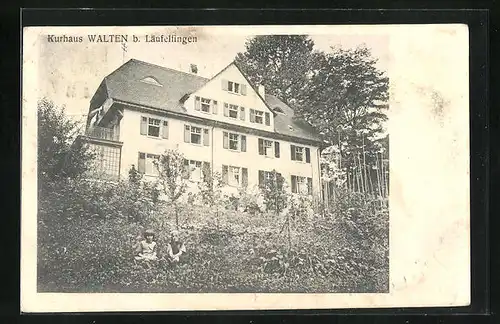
(230,118)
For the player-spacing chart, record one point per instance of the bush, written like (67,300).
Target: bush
(86,230)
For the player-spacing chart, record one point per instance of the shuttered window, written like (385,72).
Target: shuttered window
(299,153)
(301,185)
(146,164)
(154,127)
(196,135)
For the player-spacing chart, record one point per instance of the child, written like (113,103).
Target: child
(175,247)
(146,249)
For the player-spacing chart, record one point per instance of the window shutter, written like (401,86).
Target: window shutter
(261,178)
(197,103)
(278,183)
(242,113)
(144,126)
(225,174)
(309,186)
(261,146)
(187,134)
(206,137)
(252,116)
(214,107)
(244,177)
(187,170)
(206,171)
(277,149)
(141,163)
(268,119)
(225,140)
(224,84)
(292,152)
(164,130)
(226,109)
(308,155)
(243,89)
(294,184)
(243,143)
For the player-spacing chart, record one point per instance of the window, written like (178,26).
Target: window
(299,153)
(235,142)
(154,127)
(278,110)
(205,105)
(234,87)
(146,163)
(301,185)
(268,177)
(257,116)
(107,161)
(194,170)
(235,176)
(233,111)
(151,81)
(196,135)
(269,148)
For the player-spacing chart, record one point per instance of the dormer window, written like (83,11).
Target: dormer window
(152,81)
(278,110)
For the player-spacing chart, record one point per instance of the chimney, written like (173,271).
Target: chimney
(262,91)
(194,68)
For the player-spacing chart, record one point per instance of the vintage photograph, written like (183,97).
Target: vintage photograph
(244,167)
(249,164)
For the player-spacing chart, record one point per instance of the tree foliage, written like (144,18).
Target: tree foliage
(172,177)
(341,93)
(280,62)
(59,155)
(275,193)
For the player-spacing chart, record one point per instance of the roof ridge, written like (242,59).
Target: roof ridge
(165,68)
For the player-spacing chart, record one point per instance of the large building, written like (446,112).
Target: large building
(224,122)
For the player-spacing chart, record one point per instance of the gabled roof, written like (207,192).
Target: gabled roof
(124,84)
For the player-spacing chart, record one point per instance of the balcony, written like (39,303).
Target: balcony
(103,133)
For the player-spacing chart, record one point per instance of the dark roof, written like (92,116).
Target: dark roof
(124,84)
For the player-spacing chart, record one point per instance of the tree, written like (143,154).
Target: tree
(346,100)
(211,192)
(171,175)
(59,155)
(274,193)
(279,62)
(341,93)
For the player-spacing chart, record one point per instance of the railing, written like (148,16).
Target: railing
(103,133)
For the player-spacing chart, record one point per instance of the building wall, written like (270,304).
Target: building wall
(134,142)
(213,90)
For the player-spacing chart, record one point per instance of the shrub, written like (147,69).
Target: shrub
(86,233)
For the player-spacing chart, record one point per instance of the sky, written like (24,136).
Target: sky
(69,73)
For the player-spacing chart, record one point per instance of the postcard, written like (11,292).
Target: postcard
(169,168)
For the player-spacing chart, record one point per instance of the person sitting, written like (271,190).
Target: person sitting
(146,249)
(175,248)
